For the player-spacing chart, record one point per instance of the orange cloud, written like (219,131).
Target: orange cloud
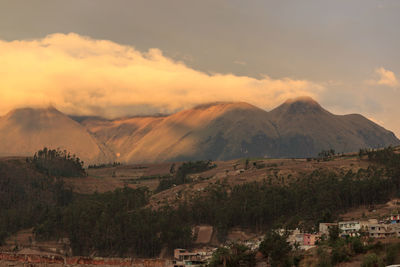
(81,75)
(386,77)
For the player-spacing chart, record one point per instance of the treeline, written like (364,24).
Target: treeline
(104,165)
(386,156)
(55,162)
(181,175)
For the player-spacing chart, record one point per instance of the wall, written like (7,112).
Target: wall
(50,259)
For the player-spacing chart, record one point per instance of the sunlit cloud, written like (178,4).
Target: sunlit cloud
(80,75)
(385,77)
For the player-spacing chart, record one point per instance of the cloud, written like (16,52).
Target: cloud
(385,77)
(80,75)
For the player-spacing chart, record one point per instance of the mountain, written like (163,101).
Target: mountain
(218,131)
(25,131)
(298,128)
(306,128)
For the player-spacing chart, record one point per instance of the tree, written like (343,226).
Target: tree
(371,260)
(247,164)
(326,154)
(276,247)
(356,245)
(172,169)
(333,234)
(232,256)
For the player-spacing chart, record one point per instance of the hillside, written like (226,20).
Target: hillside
(25,131)
(121,211)
(222,131)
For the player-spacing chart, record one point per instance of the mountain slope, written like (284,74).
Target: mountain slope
(210,131)
(25,131)
(306,128)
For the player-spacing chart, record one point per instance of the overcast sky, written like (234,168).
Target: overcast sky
(345,53)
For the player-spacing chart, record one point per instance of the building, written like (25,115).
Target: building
(183,258)
(309,239)
(396,229)
(379,230)
(372,228)
(394,219)
(349,228)
(364,225)
(384,230)
(302,240)
(296,237)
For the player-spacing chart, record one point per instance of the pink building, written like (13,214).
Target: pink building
(309,239)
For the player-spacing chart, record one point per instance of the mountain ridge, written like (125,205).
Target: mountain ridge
(299,127)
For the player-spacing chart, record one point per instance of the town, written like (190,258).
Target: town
(369,230)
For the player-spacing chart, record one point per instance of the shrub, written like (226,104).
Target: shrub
(371,260)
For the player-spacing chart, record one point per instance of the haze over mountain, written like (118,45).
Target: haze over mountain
(298,128)
(25,131)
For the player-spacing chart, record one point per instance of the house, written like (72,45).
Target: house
(309,239)
(383,230)
(379,230)
(349,228)
(303,240)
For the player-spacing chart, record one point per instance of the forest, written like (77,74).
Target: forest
(120,223)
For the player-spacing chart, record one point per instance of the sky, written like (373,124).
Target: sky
(127,57)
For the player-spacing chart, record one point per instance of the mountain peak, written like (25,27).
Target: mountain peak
(28,111)
(299,105)
(304,100)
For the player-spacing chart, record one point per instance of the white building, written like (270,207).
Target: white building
(349,228)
